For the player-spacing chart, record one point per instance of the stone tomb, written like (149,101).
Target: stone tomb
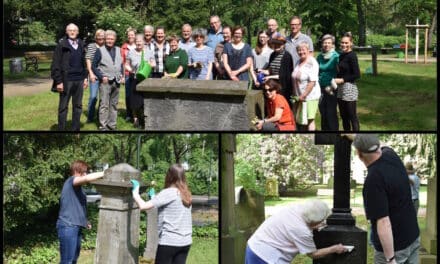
(117,240)
(341,224)
(175,104)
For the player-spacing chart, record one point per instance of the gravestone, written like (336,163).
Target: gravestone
(272,187)
(175,104)
(242,214)
(341,224)
(117,240)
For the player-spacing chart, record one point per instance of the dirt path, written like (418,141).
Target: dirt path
(28,86)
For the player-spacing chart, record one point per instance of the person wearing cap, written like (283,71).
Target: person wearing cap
(290,232)
(414,181)
(388,204)
(280,66)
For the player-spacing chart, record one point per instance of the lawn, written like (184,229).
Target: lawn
(402,97)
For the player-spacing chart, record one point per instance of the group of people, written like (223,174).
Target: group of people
(390,206)
(174,214)
(304,83)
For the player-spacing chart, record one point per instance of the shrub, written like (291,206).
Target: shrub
(208,231)
(388,41)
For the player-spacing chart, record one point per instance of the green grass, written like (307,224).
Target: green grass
(402,97)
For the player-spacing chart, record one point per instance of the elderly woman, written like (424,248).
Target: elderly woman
(125,48)
(131,66)
(289,232)
(176,64)
(237,56)
(279,115)
(93,80)
(200,58)
(347,90)
(328,61)
(280,66)
(306,86)
(261,55)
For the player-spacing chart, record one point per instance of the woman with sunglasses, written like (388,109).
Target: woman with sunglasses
(200,58)
(279,115)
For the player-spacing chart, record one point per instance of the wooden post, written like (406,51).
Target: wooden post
(426,46)
(406,46)
(374,60)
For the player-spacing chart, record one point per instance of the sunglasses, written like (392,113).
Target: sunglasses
(269,90)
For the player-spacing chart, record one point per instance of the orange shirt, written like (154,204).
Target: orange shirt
(280,102)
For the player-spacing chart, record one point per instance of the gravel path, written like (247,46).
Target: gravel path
(28,86)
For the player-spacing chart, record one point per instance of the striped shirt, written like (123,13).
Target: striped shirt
(275,64)
(174,219)
(91,50)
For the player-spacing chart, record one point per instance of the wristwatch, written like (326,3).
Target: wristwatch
(390,259)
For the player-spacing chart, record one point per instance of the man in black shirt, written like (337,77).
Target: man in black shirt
(387,202)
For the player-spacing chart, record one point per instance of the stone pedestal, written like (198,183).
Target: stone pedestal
(347,235)
(152,235)
(341,224)
(172,104)
(117,240)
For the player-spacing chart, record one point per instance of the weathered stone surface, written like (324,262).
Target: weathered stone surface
(117,240)
(347,235)
(152,235)
(171,104)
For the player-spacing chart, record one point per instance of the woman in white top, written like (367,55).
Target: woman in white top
(306,87)
(261,54)
(174,216)
(289,232)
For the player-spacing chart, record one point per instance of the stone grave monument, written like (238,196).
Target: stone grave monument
(117,240)
(341,224)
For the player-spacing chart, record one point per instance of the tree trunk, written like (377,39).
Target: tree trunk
(361,18)
(432,28)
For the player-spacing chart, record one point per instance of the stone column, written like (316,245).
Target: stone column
(117,240)
(341,224)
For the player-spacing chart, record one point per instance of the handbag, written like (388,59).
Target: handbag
(144,69)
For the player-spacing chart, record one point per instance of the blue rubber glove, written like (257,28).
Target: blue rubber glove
(135,186)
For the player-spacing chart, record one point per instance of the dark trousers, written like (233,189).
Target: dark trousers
(329,114)
(347,109)
(75,90)
(171,254)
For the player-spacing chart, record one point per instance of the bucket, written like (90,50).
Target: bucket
(15,65)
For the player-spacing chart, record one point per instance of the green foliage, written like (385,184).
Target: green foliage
(388,41)
(38,33)
(119,19)
(207,231)
(246,176)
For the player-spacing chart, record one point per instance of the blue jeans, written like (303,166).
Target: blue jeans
(252,258)
(127,96)
(70,242)
(94,87)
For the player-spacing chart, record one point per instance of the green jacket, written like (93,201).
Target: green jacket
(328,67)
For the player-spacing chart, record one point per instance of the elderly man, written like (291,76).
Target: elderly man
(297,37)
(69,74)
(388,204)
(108,67)
(215,32)
(186,42)
(272,27)
(149,40)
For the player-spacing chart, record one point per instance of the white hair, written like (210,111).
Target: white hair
(72,25)
(110,32)
(315,211)
(151,28)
